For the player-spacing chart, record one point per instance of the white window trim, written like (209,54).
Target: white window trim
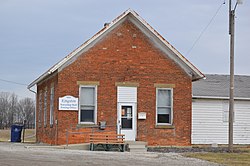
(45,106)
(79,104)
(40,109)
(156,104)
(51,118)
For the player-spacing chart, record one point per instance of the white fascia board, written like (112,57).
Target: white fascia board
(91,40)
(115,21)
(89,43)
(76,51)
(101,32)
(191,66)
(38,80)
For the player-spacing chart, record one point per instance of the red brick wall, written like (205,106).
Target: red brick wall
(127,55)
(47,134)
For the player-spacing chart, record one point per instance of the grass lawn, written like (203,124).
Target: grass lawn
(5,135)
(230,159)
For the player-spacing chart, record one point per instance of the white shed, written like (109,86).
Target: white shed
(210,110)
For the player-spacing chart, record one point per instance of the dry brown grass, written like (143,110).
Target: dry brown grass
(230,159)
(5,135)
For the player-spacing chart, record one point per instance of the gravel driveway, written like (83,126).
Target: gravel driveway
(16,154)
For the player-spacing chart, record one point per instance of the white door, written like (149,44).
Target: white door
(127,120)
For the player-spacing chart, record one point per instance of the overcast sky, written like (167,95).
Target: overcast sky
(36,34)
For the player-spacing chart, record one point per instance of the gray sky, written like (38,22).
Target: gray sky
(36,34)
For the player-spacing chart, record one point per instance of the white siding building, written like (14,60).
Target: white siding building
(210,110)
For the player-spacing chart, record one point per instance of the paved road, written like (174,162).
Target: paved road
(18,155)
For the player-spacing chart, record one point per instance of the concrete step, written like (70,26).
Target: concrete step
(83,146)
(137,146)
(136,142)
(138,150)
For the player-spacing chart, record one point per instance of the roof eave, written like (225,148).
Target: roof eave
(196,74)
(73,53)
(198,77)
(37,80)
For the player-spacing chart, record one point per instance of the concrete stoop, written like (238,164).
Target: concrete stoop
(131,146)
(137,146)
(83,146)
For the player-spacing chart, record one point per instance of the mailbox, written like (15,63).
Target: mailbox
(142,115)
(102,125)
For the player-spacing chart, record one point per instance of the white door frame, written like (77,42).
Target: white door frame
(130,134)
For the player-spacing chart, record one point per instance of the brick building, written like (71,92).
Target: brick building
(126,75)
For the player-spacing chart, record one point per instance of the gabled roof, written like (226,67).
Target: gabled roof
(217,87)
(141,24)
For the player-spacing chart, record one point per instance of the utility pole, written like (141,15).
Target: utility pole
(231,93)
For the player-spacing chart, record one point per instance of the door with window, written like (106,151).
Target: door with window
(127,120)
(126,111)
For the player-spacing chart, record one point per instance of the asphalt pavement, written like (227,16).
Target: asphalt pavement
(18,154)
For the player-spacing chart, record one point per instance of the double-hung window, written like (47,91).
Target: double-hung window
(164,106)
(40,101)
(52,92)
(87,112)
(45,107)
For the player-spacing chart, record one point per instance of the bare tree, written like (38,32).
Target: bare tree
(4,108)
(26,109)
(13,110)
(1,111)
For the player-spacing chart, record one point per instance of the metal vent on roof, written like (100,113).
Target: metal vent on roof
(106,24)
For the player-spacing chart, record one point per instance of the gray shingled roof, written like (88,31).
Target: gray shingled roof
(217,86)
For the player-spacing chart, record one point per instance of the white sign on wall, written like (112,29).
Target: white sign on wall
(68,103)
(142,115)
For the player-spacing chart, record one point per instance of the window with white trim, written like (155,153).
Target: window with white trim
(88,104)
(164,106)
(40,103)
(45,107)
(52,94)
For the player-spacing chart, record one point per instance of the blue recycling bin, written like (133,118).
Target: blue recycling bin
(16,132)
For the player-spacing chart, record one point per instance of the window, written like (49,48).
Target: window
(51,119)
(87,112)
(127,117)
(164,108)
(40,102)
(45,107)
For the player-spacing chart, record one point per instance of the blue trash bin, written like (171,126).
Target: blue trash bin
(16,132)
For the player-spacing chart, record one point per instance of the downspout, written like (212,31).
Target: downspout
(35,105)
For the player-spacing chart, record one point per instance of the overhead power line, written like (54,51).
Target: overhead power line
(203,31)
(13,82)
